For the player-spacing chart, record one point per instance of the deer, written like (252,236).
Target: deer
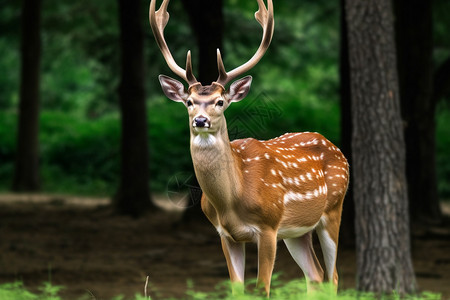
(258,191)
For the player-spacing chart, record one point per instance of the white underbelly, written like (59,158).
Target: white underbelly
(293,232)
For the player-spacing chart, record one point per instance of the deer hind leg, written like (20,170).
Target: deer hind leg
(328,233)
(301,249)
(235,256)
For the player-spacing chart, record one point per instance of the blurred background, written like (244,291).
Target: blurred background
(79,118)
(86,120)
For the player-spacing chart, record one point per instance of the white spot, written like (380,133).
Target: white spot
(266,155)
(273,172)
(291,196)
(308,195)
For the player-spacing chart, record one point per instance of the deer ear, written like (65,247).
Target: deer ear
(173,89)
(239,89)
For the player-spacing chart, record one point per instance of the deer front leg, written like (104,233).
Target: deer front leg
(235,256)
(267,248)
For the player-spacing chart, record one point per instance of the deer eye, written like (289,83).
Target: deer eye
(220,102)
(189,103)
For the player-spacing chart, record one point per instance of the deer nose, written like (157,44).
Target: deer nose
(201,121)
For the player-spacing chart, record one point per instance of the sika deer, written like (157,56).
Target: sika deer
(258,191)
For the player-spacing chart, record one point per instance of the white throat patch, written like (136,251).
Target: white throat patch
(204,140)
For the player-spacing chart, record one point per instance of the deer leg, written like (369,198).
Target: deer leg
(301,249)
(267,248)
(328,233)
(235,257)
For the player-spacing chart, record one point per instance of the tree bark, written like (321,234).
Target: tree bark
(415,46)
(133,197)
(380,190)
(26,176)
(206,20)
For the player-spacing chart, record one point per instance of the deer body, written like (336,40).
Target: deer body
(258,191)
(285,188)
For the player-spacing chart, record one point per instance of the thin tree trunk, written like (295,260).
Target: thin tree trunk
(380,190)
(347,235)
(26,177)
(206,20)
(414,24)
(133,197)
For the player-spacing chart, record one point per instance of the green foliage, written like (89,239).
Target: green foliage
(16,290)
(443,144)
(83,153)
(292,290)
(296,289)
(78,155)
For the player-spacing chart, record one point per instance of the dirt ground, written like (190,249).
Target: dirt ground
(82,245)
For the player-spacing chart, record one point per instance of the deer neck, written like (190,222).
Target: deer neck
(216,167)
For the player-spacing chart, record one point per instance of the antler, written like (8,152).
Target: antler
(265,18)
(158,21)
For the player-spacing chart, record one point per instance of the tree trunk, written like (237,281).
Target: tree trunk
(347,235)
(26,176)
(206,20)
(133,196)
(414,24)
(380,190)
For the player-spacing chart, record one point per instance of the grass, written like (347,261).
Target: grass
(292,290)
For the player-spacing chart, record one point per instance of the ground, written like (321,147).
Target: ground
(82,245)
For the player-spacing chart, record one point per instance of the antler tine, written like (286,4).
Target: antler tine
(158,21)
(264,16)
(190,78)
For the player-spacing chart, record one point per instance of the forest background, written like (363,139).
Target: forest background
(298,86)
(79,120)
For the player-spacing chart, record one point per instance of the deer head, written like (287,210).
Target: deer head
(206,104)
